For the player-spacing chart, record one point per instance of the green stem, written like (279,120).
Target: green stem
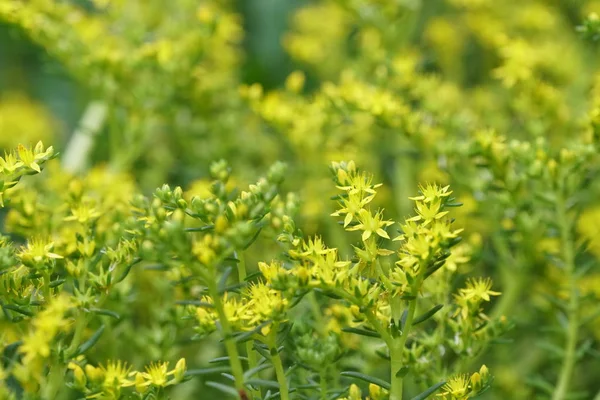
(513,278)
(284,392)
(510,296)
(386,282)
(250,353)
(55,382)
(368,314)
(323,383)
(226,333)
(397,352)
(47,290)
(566,372)
(80,326)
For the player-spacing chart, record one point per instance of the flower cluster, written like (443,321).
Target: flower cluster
(25,161)
(464,387)
(110,380)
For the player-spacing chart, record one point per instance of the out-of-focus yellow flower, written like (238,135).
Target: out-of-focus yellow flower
(24,121)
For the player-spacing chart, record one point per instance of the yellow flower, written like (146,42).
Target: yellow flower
(115,374)
(157,374)
(37,251)
(370,224)
(78,374)
(457,388)
(264,304)
(140,383)
(428,212)
(271,271)
(46,325)
(9,164)
(179,371)
(479,288)
(295,81)
(94,374)
(430,192)
(30,157)
(83,213)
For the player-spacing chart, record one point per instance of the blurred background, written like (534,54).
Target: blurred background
(42,100)
(156,90)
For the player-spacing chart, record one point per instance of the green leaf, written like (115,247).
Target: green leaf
(408,297)
(367,378)
(200,228)
(101,311)
(253,371)
(232,288)
(402,372)
(363,332)
(252,275)
(282,335)
(225,360)
(425,316)
(245,336)
(90,342)
(18,309)
(127,270)
(539,383)
(432,269)
(403,319)
(431,390)
(223,388)
(223,281)
(206,371)
(253,239)
(57,282)
(196,303)
(551,349)
(262,350)
(263,383)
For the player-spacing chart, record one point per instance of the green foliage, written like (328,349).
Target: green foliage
(467,239)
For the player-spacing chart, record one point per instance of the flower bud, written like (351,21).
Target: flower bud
(179,371)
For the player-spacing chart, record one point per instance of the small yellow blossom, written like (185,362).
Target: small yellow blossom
(479,288)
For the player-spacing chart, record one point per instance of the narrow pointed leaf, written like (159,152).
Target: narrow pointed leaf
(401,373)
(109,313)
(57,282)
(425,316)
(429,392)
(253,239)
(363,332)
(253,371)
(367,378)
(18,309)
(207,371)
(90,342)
(223,281)
(200,228)
(225,360)
(223,388)
(263,383)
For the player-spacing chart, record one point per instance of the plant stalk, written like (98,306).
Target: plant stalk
(284,392)
(566,372)
(230,345)
(397,353)
(250,353)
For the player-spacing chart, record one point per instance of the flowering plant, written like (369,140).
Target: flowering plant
(456,256)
